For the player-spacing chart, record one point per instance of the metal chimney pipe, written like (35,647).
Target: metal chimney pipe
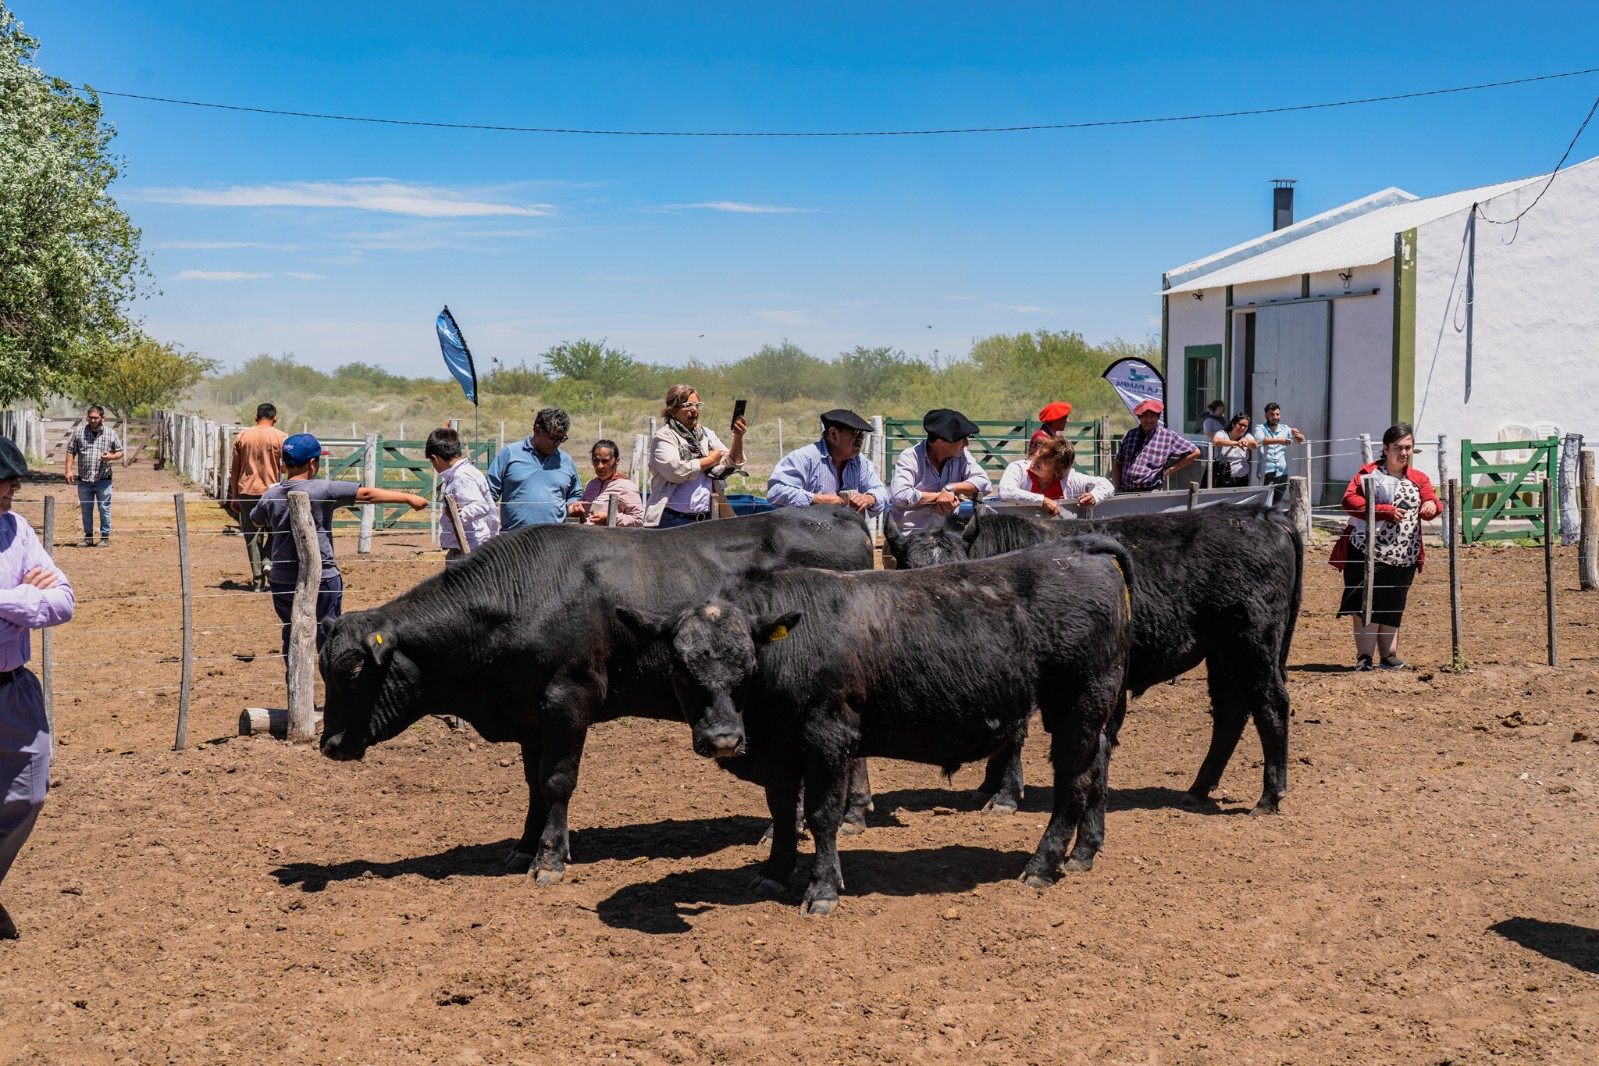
(1282,203)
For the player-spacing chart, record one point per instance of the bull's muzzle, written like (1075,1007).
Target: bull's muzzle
(337,746)
(720,745)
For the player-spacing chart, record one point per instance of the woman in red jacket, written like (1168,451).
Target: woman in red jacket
(1405,499)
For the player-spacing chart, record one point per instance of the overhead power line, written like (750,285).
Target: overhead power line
(846,133)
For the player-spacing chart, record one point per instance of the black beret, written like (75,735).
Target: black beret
(840,416)
(12,462)
(948,425)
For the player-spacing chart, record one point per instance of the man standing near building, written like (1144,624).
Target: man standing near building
(1149,452)
(302,458)
(832,470)
(535,482)
(91,451)
(33,595)
(1274,439)
(931,477)
(257,465)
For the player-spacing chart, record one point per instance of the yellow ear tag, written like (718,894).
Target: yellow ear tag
(780,633)
(378,637)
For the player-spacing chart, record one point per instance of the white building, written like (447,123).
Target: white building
(1392,308)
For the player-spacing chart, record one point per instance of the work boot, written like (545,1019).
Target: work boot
(86,542)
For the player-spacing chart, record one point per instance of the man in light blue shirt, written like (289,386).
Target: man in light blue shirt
(1274,439)
(931,477)
(537,483)
(823,472)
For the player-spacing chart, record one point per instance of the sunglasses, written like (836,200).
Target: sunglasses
(694,405)
(557,439)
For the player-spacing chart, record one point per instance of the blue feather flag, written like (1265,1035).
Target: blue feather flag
(457,356)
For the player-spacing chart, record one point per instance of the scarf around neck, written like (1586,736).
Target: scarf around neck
(690,445)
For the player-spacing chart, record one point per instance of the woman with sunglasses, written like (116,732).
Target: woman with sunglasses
(685,458)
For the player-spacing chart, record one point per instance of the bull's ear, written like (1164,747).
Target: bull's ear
(775,628)
(891,534)
(380,646)
(648,626)
(969,534)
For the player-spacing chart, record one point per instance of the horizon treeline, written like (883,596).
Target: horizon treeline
(1003,377)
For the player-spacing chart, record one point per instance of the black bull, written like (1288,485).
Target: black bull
(1220,585)
(788,677)
(522,641)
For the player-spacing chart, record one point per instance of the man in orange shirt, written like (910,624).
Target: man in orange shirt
(257,466)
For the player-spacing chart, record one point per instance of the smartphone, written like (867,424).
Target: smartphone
(738,412)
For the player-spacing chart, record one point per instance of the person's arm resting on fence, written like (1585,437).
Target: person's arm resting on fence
(1086,489)
(873,486)
(902,490)
(786,486)
(1013,485)
(373,494)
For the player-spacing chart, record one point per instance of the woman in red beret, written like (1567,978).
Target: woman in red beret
(1053,417)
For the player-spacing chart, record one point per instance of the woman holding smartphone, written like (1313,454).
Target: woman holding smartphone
(685,457)
(1405,499)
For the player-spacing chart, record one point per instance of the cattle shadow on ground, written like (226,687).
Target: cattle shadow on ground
(1037,799)
(1574,945)
(1157,798)
(1321,668)
(665,905)
(670,839)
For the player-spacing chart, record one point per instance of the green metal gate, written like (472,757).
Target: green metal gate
(400,466)
(1507,489)
(996,444)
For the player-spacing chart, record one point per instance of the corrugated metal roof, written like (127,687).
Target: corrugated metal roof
(1357,234)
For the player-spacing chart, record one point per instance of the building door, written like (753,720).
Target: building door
(1293,356)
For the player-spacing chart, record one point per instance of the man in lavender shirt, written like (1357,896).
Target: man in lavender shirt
(832,470)
(931,477)
(33,595)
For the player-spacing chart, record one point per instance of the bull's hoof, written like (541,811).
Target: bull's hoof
(818,907)
(1079,864)
(549,877)
(852,829)
(999,805)
(1264,808)
(766,886)
(518,862)
(1197,800)
(1032,880)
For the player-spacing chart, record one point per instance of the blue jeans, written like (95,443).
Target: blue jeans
(90,494)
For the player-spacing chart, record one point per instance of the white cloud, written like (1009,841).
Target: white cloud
(788,318)
(217,275)
(1026,309)
(392,198)
(737,208)
(304,276)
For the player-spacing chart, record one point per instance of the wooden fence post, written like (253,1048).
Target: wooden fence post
(1587,552)
(302,629)
(1299,505)
(186,680)
(47,640)
(1452,542)
(1549,568)
(369,477)
(1193,495)
(454,514)
(1365,448)
(1369,487)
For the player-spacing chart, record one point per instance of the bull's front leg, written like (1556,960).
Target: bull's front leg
(826,785)
(557,778)
(520,858)
(784,834)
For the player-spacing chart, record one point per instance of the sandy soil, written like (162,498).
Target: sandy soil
(1427,896)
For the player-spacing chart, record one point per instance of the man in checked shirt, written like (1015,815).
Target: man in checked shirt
(94,447)
(33,595)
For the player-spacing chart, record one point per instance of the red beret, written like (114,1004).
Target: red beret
(1058,409)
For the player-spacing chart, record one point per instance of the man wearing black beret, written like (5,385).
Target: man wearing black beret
(832,470)
(931,477)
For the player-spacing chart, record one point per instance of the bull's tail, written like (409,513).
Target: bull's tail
(1298,595)
(1100,544)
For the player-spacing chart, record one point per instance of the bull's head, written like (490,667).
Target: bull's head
(713,660)
(372,687)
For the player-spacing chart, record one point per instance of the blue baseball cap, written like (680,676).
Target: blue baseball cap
(301,449)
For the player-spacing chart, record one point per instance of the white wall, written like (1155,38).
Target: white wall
(1536,316)
(1362,361)
(1189,322)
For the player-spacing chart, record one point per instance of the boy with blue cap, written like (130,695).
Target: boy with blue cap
(302,455)
(33,595)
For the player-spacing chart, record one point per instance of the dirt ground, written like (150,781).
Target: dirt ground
(1428,894)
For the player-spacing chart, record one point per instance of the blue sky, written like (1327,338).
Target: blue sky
(339,241)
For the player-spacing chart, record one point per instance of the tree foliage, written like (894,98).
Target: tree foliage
(138,373)
(69,257)
(781,371)
(598,366)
